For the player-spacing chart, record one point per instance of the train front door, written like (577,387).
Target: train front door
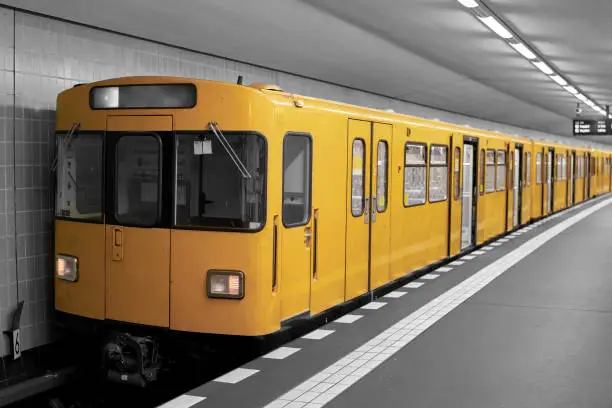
(137,239)
(550,183)
(469,194)
(368,214)
(572,182)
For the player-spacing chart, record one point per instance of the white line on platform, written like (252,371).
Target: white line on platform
(444,269)
(373,305)
(317,334)
(281,353)
(414,285)
(395,294)
(349,369)
(430,276)
(236,375)
(182,401)
(349,318)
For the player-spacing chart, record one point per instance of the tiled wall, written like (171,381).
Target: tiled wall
(52,56)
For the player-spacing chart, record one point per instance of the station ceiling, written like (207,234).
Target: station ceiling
(430,52)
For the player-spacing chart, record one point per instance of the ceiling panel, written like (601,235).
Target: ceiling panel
(431,52)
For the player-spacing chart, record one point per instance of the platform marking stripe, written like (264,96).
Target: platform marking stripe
(496,244)
(488,248)
(511,237)
(349,318)
(504,240)
(395,294)
(236,376)
(479,252)
(182,401)
(469,257)
(444,269)
(457,263)
(414,285)
(317,334)
(281,353)
(346,371)
(373,305)
(430,276)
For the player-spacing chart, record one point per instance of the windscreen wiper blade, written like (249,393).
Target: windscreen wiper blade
(71,134)
(230,150)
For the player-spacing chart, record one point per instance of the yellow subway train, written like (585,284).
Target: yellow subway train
(197,206)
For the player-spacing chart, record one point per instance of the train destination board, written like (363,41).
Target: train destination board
(591,127)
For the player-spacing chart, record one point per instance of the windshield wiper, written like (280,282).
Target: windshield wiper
(229,149)
(71,134)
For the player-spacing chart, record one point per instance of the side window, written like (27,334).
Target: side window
(457,174)
(415,167)
(501,170)
(565,166)
(357,177)
(482,171)
(438,173)
(297,153)
(490,174)
(382,175)
(528,169)
(538,168)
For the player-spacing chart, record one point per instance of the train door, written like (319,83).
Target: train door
(587,177)
(517,185)
(469,194)
(550,196)
(572,179)
(296,222)
(137,237)
(368,213)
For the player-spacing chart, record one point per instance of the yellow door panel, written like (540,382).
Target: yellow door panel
(455,195)
(143,123)
(85,241)
(380,210)
(296,227)
(138,280)
(357,219)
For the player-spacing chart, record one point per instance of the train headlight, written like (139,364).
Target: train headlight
(67,267)
(225,284)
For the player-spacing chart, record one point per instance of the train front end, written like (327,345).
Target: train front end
(161,217)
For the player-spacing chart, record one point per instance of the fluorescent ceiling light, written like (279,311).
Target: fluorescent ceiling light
(571,90)
(524,51)
(496,27)
(468,3)
(558,79)
(543,67)
(581,97)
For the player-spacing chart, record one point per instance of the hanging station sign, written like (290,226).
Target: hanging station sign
(592,127)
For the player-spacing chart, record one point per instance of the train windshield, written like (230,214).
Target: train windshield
(212,188)
(79,176)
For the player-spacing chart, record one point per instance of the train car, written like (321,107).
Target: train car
(193,206)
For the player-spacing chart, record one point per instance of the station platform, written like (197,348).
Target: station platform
(525,321)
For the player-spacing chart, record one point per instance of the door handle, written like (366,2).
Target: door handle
(307,236)
(117,244)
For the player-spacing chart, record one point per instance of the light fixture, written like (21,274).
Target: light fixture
(581,97)
(496,27)
(468,3)
(542,66)
(558,79)
(523,50)
(571,90)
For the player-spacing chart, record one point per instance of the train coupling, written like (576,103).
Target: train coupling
(131,360)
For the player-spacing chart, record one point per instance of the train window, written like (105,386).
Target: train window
(528,169)
(415,174)
(538,168)
(490,174)
(482,172)
(382,175)
(438,173)
(297,160)
(501,170)
(457,174)
(211,191)
(138,180)
(80,172)
(564,167)
(579,169)
(357,183)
